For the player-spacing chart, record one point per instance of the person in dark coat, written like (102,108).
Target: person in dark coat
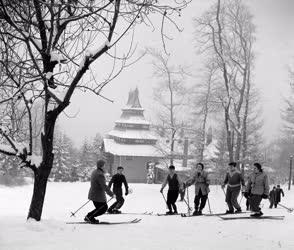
(259,189)
(272,197)
(174,186)
(117,180)
(97,193)
(248,207)
(201,181)
(234,179)
(279,192)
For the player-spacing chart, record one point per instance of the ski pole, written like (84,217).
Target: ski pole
(209,205)
(190,209)
(188,200)
(164,199)
(74,213)
(290,210)
(241,199)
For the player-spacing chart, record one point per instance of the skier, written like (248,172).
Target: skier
(117,180)
(175,185)
(258,187)
(248,208)
(97,193)
(279,192)
(272,197)
(201,181)
(234,179)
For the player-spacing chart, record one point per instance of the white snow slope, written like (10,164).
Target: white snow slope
(153,232)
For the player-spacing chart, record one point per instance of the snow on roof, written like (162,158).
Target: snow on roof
(132,134)
(126,108)
(110,146)
(134,120)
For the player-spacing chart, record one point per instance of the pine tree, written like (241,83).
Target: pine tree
(63,162)
(86,161)
(96,146)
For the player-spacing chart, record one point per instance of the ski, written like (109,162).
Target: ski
(166,214)
(190,215)
(254,218)
(224,214)
(145,213)
(107,222)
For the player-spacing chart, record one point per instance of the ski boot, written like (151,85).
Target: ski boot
(238,211)
(257,214)
(91,220)
(195,212)
(116,211)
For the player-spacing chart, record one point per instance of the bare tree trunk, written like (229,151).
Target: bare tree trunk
(229,136)
(40,184)
(42,173)
(245,118)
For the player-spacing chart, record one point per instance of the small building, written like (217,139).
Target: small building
(131,143)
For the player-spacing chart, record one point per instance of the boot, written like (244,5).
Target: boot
(91,220)
(229,211)
(257,214)
(169,213)
(195,212)
(116,211)
(238,211)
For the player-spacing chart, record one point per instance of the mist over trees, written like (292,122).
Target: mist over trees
(226,34)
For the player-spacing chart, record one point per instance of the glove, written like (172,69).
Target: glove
(127,192)
(246,195)
(161,190)
(264,196)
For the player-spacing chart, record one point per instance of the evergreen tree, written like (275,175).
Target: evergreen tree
(96,146)
(63,159)
(86,161)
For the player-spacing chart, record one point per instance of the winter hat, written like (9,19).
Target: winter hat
(171,167)
(258,166)
(119,167)
(100,163)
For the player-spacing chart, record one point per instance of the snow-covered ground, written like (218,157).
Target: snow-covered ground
(153,232)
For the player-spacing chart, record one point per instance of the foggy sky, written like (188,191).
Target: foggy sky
(274,20)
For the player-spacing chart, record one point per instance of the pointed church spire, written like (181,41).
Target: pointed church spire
(133,100)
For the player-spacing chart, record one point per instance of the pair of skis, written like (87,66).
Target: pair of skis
(134,221)
(225,216)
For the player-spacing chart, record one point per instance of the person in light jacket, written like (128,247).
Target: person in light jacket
(258,188)
(97,192)
(201,181)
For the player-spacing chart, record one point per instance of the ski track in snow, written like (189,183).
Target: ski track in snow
(152,233)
